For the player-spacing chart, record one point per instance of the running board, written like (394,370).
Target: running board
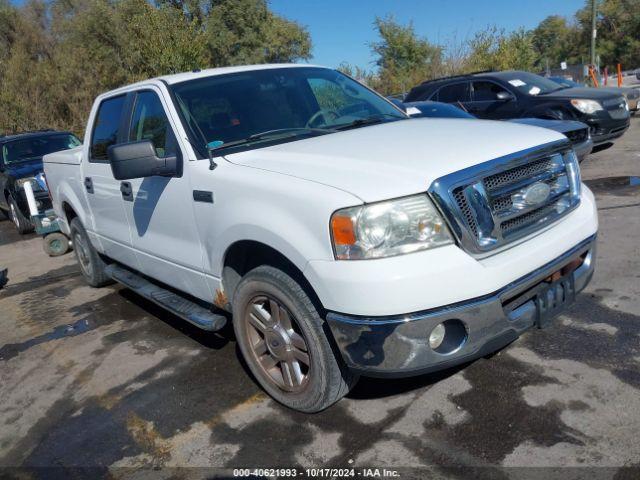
(173,302)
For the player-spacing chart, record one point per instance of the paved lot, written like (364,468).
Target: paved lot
(101,378)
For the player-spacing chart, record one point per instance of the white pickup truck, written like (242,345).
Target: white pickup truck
(343,237)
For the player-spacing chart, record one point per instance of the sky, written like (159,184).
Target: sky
(341,30)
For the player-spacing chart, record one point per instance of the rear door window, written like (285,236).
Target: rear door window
(457,92)
(106,128)
(150,122)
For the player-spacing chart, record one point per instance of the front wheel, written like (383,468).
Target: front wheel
(280,334)
(22,223)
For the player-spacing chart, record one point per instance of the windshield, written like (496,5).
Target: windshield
(567,82)
(280,104)
(439,110)
(530,83)
(33,148)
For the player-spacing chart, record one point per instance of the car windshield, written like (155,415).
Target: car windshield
(567,82)
(530,83)
(33,148)
(439,110)
(246,109)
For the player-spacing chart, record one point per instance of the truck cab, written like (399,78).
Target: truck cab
(338,235)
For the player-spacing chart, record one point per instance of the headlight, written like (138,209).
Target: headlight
(573,173)
(388,228)
(586,106)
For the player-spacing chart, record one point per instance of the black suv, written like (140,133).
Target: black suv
(516,94)
(20,162)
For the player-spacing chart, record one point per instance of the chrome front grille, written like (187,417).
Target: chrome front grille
(497,202)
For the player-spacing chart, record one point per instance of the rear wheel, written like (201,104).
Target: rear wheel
(92,266)
(22,223)
(281,337)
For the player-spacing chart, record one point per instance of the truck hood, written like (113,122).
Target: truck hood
(25,169)
(395,159)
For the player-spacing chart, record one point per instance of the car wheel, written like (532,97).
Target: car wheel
(22,223)
(281,336)
(91,264)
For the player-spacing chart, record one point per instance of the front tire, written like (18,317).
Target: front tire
(22,223)
(280,334)
(92,266)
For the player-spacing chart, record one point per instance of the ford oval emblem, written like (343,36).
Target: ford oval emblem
(536,193)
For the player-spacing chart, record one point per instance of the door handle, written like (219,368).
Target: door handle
(127,191)
(88,184)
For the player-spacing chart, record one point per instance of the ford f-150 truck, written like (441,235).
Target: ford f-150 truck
(339,236)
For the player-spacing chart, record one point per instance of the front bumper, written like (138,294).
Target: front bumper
(398,345)
(604,129)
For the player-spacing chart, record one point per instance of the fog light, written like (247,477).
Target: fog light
(437,336)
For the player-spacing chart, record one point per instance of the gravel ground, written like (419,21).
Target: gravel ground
(104,381)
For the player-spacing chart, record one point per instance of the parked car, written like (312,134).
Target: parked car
(515,94)
(576,132)
(631,94)
(638,74)
(344,238)
(20,162)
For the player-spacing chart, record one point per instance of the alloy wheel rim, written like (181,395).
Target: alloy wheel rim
(83,256)
(277,343)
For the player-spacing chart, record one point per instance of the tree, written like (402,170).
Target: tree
(554,40)
(56,56)
(493,49)
(403,58)
(618,26)
(246,32)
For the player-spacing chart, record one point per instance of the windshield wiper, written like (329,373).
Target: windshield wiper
(372,120)
(277,133)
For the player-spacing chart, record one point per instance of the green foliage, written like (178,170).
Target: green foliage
(403,58)
(493,49)
(56,56)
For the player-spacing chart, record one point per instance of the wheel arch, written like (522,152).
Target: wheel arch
(70,207)
(242,256)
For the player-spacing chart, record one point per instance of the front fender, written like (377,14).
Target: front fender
(286,213)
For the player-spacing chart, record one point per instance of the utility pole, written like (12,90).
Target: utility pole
(593,31)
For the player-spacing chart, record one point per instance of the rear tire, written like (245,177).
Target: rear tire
(282,338)
(22,223)
(91,265)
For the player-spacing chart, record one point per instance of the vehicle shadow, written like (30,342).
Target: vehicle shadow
(369,388)
(600,148)
(211,340)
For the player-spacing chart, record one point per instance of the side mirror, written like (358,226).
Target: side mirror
(139,160)
(504,96)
